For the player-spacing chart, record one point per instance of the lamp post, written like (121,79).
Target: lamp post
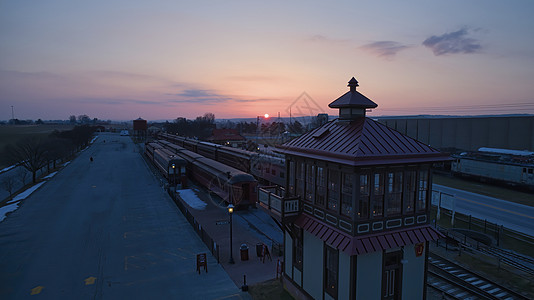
(230,212)
(173,176)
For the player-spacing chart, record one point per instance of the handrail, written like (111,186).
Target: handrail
(273,198)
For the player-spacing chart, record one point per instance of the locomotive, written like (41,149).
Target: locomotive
(512,167)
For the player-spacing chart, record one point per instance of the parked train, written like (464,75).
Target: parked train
(232,185)
(171,166)
(269,169)
(508,166)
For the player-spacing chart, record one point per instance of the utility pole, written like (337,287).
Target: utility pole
(12,113)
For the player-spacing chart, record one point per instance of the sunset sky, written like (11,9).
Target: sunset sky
(157,60)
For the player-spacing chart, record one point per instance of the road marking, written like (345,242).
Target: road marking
(90,280)
(497,208)
(36,290)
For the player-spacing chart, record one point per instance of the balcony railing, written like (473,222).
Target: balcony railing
(272,199)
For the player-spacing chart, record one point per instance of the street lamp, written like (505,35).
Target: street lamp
(173,181)
(230,212)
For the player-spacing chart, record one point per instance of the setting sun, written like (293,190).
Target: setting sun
(266,116)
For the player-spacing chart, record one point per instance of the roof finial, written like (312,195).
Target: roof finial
(353,83)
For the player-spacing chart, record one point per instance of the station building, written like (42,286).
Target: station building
(355,210)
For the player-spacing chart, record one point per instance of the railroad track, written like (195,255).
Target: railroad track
(453,289)
(516,260)
(459,283)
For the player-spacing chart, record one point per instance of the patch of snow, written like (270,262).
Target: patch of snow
(93,139)
(8,168)
(8,208)
(50,175)
(27,192)
(66,163)
(192,199)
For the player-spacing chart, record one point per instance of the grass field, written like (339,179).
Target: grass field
(10,134)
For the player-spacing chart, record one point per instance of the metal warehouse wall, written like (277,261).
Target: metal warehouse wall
(469,133)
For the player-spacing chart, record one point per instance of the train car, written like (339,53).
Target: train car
(178,140)
(169,145)
(171,166)
(191,144)
(232,185)
(240,159)
(149,150)
(208,150)
(269,169)
(502,165)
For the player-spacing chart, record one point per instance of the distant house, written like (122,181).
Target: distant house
(227,137)
(355,210)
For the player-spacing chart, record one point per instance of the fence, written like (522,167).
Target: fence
(469,226)
(204,236)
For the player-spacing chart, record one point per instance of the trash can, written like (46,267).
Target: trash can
(244,251)
(259,249)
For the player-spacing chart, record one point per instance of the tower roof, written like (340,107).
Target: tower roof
(353,98)
(361,143)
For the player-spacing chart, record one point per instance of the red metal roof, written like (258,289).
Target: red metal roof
(368,243)
(359,143)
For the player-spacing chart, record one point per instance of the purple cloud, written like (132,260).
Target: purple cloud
(453,42)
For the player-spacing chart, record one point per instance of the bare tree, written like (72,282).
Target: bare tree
(84,119)
(57,148)
(8,184)
(22,175)
(30,153)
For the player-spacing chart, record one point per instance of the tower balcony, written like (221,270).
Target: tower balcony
(273,201)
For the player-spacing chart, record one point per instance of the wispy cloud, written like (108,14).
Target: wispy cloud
(453,42)
(115,101)
(385,49)
(200,96)
(211,97)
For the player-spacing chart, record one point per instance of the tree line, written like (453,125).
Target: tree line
(202,127)
(81,119)
(35,153)
(272,128)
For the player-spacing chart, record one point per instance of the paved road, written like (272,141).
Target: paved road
(105,230)
(511,215)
